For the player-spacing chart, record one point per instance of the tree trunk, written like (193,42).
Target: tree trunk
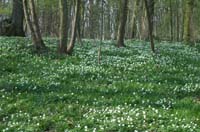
(36,23)
(63,26)
(135,11)
(187,21)
(177,21)
(149,4)
(17,18)
(143,22)
(171,22)
(74,28)
(32,22)
(91,19)
(15,25)
(80,18)
(28,20)
(122,24)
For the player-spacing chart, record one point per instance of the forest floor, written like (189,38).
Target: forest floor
(131,91)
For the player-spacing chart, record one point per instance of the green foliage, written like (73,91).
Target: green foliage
(48,5)
(5,11)
(5,8)
(131,91)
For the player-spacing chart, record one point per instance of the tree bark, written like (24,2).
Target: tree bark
(171,22)
(15,24)
(91,19)
(74,28)
(122,24)
(187,21)
(32,22)
(63,26)
(177,21)
(18,18)
(80,18)
(149,4)
(135,11)
(36,23)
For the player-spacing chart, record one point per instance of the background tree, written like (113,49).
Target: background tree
(149,4)
(91,21)
(74,27)
(169,19)
(135,13)
(14,25)
(63,26)
(32,22)
(122,24)
(187,20)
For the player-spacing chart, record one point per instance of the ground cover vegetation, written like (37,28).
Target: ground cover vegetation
(99,66)
(132,89)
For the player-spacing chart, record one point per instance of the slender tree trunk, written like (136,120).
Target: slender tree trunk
(149,4)
(177,21)
(79,22)
(102,31)
(28,20)
(108,25)
(171,22)
(35,23)
(135,11)
(91,19)
(143,22)
(182,21)
(187,20)
(122,24)
(32,22)
(74,28)
(63,26)
(82,20)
